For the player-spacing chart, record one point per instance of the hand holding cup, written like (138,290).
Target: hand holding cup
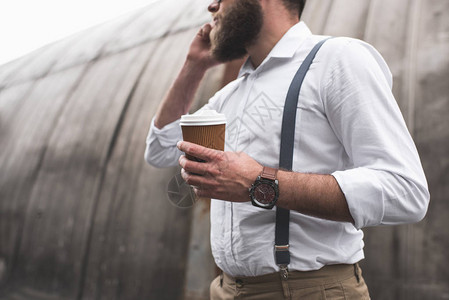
(206,128)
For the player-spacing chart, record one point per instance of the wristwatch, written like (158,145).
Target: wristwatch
(264,192)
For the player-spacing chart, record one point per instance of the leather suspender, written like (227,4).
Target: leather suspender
(281,248)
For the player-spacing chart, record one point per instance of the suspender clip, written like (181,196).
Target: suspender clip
(284,272)
(281,247)
(281,250)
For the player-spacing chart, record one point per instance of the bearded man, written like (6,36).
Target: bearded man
(353,161)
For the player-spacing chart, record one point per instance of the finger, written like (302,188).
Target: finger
(191,166)
(207,28)
(205,31)
(197,181)
(202,193)
(198,151)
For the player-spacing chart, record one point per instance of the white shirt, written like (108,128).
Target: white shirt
(348,125)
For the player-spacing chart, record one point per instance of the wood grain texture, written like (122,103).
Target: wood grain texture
(407,262)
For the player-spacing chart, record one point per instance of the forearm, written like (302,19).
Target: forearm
(180,96)
(227,176)
(312,194)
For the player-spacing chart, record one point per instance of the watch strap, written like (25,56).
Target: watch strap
(269,173)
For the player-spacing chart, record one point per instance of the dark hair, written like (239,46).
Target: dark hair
(295,5)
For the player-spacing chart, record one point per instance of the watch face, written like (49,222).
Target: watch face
(264,193)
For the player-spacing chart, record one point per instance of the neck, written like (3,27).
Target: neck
(276,23)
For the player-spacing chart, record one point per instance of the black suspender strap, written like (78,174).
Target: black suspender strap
(282,254)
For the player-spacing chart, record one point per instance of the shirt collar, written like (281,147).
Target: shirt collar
(285,48)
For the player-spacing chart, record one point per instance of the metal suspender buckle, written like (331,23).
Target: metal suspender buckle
(281,247)
(283,267)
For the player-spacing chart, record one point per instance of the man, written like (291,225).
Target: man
(354,162)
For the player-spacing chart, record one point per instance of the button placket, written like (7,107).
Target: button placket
(250,80)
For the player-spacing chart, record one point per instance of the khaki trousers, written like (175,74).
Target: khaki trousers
(333,282)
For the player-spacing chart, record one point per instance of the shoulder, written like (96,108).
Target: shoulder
(337,49)
(346,48)
(349,55)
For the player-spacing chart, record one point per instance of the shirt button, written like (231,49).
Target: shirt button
(239,283)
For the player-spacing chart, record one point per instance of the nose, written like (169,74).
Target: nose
(213,7)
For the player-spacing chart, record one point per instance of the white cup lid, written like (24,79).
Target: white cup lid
(202,118)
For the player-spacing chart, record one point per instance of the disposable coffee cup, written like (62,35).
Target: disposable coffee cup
(206,128)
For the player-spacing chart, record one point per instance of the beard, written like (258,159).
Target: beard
(238,29)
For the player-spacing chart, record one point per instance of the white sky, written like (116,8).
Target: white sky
(26,25)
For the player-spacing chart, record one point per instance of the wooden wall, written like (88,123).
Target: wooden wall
(83,217)
(406,262)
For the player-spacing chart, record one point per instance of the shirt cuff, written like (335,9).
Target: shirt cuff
(364,195)
(168,135)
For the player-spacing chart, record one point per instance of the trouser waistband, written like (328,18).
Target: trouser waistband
(301,279)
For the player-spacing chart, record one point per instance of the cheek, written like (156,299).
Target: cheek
(215,31)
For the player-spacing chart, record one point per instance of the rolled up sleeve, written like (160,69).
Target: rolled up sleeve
(161,150)
(384,182)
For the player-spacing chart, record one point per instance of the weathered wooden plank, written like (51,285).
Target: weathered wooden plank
(413,252)
(154,23)
(131,30)
(90,44)
(35,65)
(347,17)
(194,15)
(140,278)
(24,136)
(9,69)
(139,239)
(125,243)
(428,243)
(64,193)
(411,35)
(390,32)
(62,54)
(11,101)
(200,270)
(30,294)
(59,207)
(316,14)
(150,25)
